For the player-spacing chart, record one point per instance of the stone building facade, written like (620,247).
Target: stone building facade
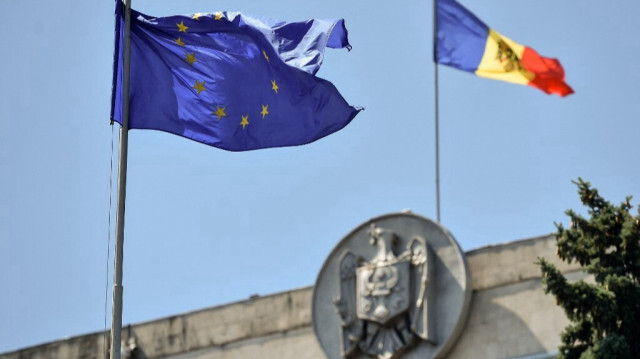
(509,317)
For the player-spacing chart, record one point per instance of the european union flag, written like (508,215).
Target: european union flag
(229,80)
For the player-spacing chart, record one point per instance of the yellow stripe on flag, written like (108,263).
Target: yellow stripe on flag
(502,60)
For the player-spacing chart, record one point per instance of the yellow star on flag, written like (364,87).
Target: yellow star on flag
(196,16)
(218,16)
(199,86)
(274,87)
(191,58)
(220,112)
(244,122)
(179,41)
(265,55)
(265,110)
(182,27)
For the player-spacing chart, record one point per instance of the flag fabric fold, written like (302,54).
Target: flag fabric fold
(466,43)
(229,80)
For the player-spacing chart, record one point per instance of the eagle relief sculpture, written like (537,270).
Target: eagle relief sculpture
(382,301)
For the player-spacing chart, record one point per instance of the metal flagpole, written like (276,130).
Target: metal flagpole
(116,312)
(437,129)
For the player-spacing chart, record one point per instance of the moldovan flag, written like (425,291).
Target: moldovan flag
(466,43)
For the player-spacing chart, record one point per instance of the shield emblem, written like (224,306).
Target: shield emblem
(382,290)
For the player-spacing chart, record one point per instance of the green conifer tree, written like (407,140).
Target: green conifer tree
(605,315)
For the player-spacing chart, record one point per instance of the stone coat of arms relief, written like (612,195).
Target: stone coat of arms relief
(383,301)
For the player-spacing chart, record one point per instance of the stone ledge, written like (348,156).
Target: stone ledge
(490,267)
(512,262)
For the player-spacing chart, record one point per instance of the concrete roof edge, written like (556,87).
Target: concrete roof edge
(506,245)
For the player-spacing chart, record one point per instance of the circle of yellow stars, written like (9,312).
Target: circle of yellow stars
(199,86)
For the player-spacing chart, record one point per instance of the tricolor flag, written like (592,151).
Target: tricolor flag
(229,80)
(466,43)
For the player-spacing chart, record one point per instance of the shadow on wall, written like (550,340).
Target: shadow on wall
(510,321)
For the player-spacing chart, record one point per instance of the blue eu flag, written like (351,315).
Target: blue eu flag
(229,80)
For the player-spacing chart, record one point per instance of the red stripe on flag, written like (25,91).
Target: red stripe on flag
(549,74)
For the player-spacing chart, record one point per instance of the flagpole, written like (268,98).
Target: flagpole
(116,312)
(436,109)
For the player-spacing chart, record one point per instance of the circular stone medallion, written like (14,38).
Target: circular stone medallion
(396,286)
